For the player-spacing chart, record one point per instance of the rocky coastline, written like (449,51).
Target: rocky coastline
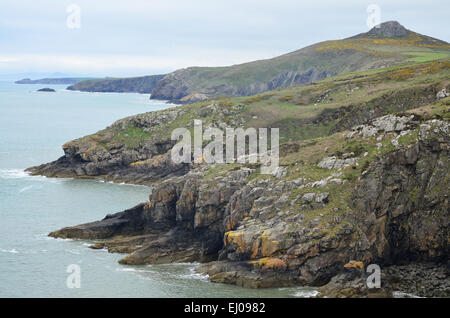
(281,231)
(369,187)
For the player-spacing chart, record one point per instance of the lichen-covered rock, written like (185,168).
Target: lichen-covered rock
(385,124)
(442,94)
(336,163)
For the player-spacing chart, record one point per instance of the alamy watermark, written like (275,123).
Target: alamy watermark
(73,20)
(374,279)
(222,148)
(74,278)
(374,17)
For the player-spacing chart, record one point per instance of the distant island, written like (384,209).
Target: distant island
(54,81)
(46,89)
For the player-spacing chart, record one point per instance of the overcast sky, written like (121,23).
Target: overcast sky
(140,37)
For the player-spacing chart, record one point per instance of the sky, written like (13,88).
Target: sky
(144,37)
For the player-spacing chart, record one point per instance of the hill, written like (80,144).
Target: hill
(390,44)
(143,84)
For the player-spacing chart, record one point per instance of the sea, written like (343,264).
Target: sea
(33,127)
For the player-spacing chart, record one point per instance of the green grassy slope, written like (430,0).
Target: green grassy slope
(305,111)
(325,59)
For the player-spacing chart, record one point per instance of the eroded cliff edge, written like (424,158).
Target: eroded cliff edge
(381,196)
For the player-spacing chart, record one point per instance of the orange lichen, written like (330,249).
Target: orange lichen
(263,246)
(354,264)
(235,237)
(269,263)
(137,163)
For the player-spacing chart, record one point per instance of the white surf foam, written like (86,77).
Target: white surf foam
(13,173)
(306,293)
(194,275)
(25,189)
(399,294)
(12,251)
(22,174)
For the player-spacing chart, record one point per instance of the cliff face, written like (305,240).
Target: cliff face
(143,85)
(386,206)
(179,85)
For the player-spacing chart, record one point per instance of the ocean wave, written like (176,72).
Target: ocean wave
(157,271)
(306,293)
(194,275)
(22,174)
(135,270)
(25,189)
(196,264)
(123,183)
(127,269)
(12,251)
(76,252)
(400,294)
(13,173)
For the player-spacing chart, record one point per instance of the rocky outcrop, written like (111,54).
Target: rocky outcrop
(442,94)
(399,281)
(192,98)
(124,152)
(395,31)
(46,89)
(396,101)
(389,29)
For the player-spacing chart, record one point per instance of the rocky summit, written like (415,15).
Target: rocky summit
(363,180)
(390,29)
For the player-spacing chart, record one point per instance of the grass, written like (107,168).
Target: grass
(426,56)
(132,136)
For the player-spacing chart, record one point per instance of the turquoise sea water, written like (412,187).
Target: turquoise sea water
(33,126)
